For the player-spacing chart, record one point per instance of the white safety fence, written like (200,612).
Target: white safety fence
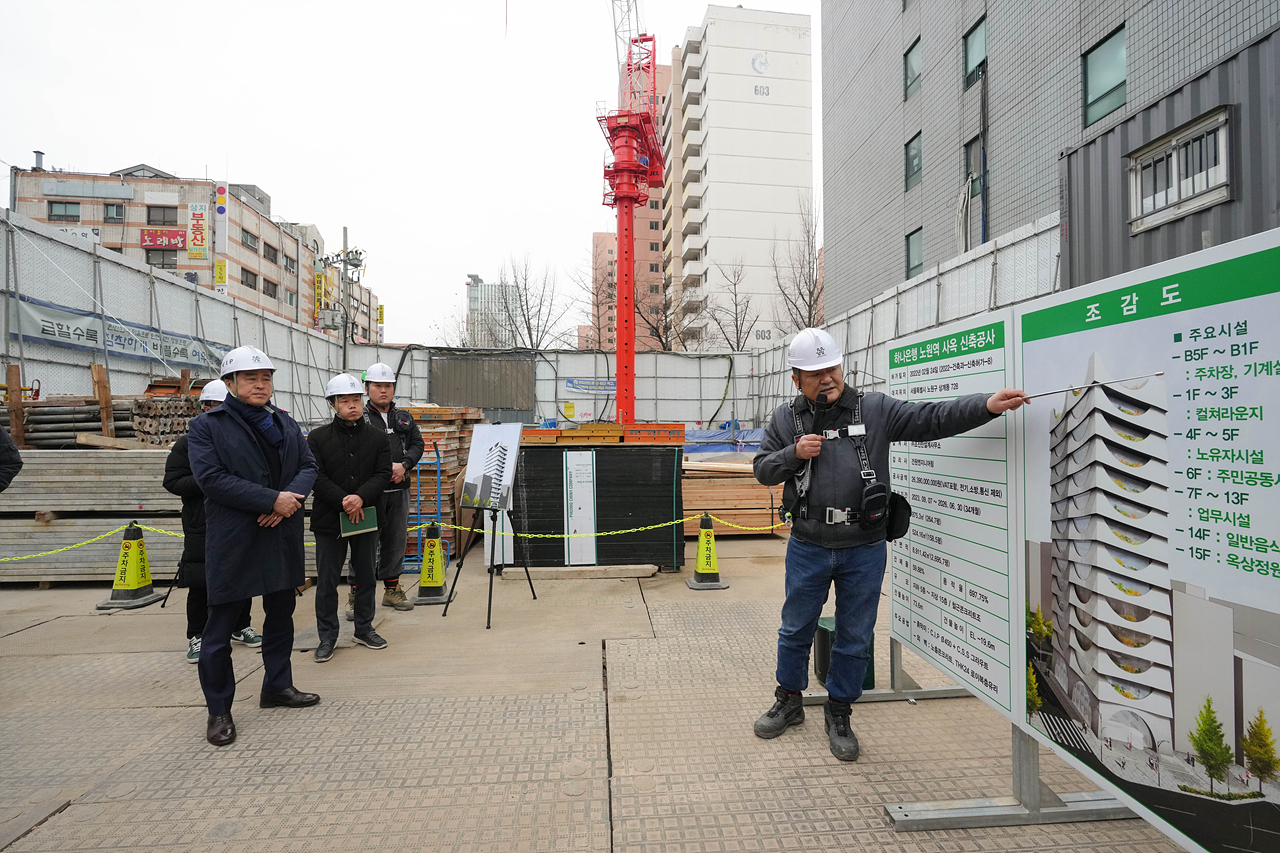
(132,301)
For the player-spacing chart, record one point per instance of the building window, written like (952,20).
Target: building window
(611,251)
(165,259)
(1104,77)
(975,53)
(915,253)
(64,211)
(249,279)
(289,295)
(654,225)
(654,204)
(290,264)
(249,241)
(655,288)
(117,249)
(655,247)
(270,288)
(162,215)
(269,252)
(912,68)
(1180,173)
(913,161)
(654,310)
(971,167)
(654,268)
(113,213)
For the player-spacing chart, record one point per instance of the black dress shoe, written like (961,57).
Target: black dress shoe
(222,729)
(290,697)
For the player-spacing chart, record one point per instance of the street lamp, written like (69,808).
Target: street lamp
(1158,762)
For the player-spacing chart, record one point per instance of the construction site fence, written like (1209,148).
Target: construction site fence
(155,323)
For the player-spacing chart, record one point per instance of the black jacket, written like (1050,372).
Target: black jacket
(179,479)
(405,437)
(835,481)
(11,459)
(354,459)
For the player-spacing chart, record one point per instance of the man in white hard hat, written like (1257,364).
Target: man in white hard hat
(255,469)
(406,449)
(354,460)
(179,480)
(830,445)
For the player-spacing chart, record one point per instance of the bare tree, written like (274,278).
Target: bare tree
(596,293)
(797,272)
(531,312)
(733,316)
(456,331)
(672,323)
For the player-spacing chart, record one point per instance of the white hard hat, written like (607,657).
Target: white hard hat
(215,390)
(343,383)
(245,358)
(814,349)
(380,373)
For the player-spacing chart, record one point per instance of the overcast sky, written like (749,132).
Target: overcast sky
(447,137)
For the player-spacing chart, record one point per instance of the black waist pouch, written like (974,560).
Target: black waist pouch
(899,521)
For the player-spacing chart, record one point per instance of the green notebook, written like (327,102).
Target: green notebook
(368,525)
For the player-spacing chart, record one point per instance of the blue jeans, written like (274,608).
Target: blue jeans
(858,573)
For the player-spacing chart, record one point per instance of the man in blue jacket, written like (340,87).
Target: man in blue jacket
(255,469)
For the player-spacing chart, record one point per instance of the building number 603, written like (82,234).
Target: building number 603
(762,91)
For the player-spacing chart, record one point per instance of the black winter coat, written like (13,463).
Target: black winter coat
(10,459)
(242,559)
(179,480)
(405,437)
(353,459)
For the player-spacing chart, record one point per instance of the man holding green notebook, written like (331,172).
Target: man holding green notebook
(355,467)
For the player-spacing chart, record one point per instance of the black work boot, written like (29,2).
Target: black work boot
(844,743)
(787,711)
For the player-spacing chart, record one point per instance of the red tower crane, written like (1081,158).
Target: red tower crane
(632,132)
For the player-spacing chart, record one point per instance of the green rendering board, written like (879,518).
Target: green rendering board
(953,596)
(1150,518)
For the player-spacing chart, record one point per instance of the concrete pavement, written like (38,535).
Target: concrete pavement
(608,715)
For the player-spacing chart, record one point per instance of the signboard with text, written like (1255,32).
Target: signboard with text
(198,231)
(164,238)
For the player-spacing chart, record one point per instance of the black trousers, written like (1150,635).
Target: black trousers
(331,555)
(217,678)
(198,612)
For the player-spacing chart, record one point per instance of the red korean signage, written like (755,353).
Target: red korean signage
(164,238)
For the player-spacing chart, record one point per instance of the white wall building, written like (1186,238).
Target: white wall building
(486,324)
(737,133)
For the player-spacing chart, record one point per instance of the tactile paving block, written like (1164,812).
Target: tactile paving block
(141,680)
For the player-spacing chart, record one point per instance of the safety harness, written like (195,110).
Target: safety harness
(875,496)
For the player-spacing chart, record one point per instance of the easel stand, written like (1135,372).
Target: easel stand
(495,568)
(1032,801)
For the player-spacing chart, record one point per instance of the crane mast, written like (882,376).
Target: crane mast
(632,131)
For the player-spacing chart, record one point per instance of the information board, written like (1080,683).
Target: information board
(1151,510)
(953,590)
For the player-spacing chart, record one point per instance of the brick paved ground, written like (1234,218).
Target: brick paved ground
(608,715)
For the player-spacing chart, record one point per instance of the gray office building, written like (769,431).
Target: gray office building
(946,124)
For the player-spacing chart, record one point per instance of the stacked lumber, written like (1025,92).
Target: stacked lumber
(591,434)
(653,433)
(450,430)
(70,481)
(728,491)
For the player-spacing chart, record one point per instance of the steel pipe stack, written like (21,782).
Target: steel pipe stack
(55,427)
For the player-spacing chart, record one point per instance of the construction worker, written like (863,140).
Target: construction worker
(255,469)
(830,445)
(179,480)
(354,460)
(406,450)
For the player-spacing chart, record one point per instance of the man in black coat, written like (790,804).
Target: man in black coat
(255,469)
(10,459)
(354,462)
(179,480)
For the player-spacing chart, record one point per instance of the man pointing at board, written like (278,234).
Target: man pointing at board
(830,445)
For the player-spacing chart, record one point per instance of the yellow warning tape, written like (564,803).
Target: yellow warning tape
(419,526)
(67,548)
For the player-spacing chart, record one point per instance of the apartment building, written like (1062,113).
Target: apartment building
(738,145)
(172,223)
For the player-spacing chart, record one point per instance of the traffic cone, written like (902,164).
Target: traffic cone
(431,583)
(706,573)
(132,588)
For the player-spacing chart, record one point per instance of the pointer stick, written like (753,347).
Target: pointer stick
(1108,382)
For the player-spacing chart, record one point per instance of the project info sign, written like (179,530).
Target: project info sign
(1142,514)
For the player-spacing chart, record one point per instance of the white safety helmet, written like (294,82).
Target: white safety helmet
(343,383)
(245,358)
(814,349)
(380,373)
(214,391)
